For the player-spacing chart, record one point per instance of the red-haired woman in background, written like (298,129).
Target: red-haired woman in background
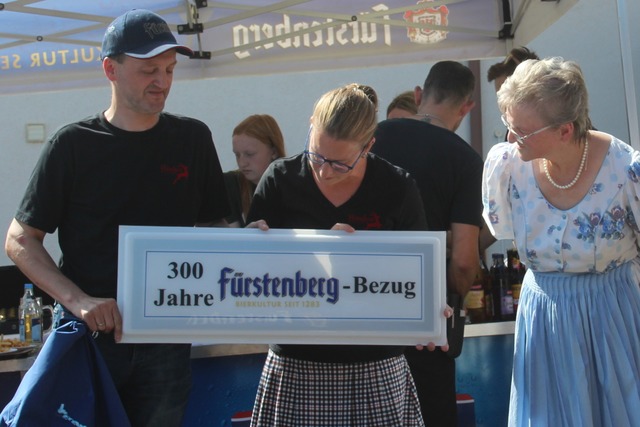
(257,141)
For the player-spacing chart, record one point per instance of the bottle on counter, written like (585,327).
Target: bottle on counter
(474,300)
(488,293)
(507,309)
(502,297)
(513,266)
(516,275)
(30,317)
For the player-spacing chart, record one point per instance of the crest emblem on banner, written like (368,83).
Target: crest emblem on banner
(429,15)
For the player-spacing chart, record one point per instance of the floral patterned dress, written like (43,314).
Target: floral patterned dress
(577,339)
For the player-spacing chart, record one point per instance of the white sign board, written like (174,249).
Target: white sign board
(217,285)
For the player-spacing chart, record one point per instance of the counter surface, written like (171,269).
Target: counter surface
(489,329)
(216,350)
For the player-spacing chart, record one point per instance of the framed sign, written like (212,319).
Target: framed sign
(226,285)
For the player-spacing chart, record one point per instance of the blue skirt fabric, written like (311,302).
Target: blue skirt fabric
(577,350)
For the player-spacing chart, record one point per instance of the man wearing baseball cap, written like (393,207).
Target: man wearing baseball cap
(140,34)
(132,164)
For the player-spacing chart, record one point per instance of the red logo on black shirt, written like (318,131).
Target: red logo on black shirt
(180,172)
(365,222)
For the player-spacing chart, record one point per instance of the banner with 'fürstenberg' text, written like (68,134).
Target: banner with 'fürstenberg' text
(213,285)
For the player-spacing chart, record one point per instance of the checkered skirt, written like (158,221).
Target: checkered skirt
(298,393)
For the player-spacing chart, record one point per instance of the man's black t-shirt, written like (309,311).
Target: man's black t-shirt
(93,177)
(447,170)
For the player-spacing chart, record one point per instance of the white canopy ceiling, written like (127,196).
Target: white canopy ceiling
(55,44)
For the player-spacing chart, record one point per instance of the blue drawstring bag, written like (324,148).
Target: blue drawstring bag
(68,385)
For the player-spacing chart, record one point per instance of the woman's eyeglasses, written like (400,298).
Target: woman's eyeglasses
(336,165)
(520,139)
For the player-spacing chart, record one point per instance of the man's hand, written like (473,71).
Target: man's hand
(100,315)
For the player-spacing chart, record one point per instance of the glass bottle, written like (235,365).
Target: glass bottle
(500,286)
(507,308)
(474,300)
(30,317)
(516,283)
(488,293)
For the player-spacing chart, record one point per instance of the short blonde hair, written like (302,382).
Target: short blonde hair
(554,87)
(346,113)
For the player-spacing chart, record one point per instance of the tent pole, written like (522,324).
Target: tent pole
(475,115)
(507,26)
(628,74)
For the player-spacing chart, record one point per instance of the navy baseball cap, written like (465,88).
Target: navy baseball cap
(141,34)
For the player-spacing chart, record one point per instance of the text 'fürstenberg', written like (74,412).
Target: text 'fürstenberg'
(236,284)
(302,34)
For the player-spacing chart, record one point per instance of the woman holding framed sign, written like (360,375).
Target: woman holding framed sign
(335,183)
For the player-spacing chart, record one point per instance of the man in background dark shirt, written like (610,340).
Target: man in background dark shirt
(448,172)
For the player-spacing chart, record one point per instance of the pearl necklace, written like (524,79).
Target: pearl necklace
(583,161)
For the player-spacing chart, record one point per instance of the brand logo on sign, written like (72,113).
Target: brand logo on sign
(236,284)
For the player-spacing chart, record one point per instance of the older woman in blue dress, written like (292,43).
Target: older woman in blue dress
(568,195)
